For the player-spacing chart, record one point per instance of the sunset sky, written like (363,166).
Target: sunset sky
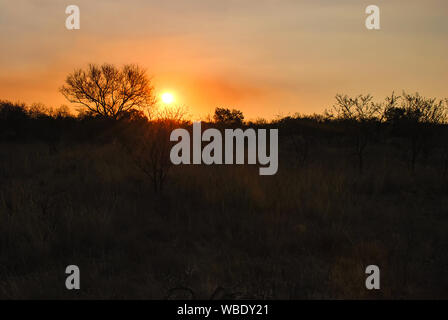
(264,57)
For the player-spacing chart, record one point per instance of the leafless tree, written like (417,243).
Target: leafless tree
(361,114)
(109,91)
(419,115)
(361,108)
(149,145)
(174,113)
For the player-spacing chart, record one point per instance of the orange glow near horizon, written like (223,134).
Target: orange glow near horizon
(263,58)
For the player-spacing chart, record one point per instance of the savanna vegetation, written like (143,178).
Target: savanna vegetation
(365,183)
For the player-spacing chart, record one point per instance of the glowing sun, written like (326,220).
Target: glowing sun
(167,98)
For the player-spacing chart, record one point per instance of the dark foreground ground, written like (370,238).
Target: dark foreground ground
(222,231)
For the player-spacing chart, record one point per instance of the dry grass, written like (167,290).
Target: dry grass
(307,232)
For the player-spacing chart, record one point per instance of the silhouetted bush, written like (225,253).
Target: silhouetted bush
(227,117)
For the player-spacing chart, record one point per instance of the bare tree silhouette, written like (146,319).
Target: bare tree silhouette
(149,145)
(360,114)
(109,91)
(415,118)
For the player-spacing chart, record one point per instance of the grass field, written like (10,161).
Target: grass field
(220,231)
